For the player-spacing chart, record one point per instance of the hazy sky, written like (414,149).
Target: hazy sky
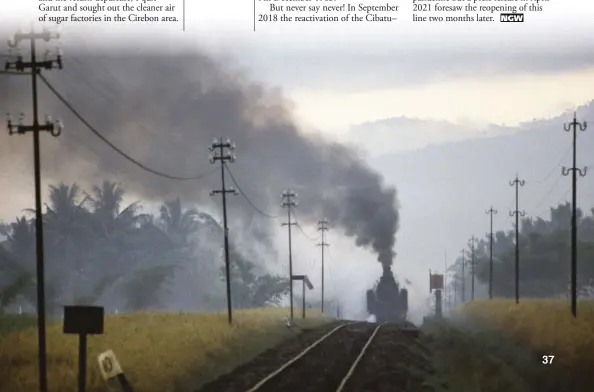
(342,75)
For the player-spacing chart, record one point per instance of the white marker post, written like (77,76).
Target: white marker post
(110,368)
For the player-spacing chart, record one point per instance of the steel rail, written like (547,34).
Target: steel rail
(316,343)
(354,366)
(295,359)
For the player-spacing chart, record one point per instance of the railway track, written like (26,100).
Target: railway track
(326,369)
(333,362)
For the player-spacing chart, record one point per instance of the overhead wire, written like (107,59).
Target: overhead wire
(113,146)
(304,233)
(556,166)
(559,200)
(125,155)
(554,185)
(563,197)
(242,193)
(104,139)
(551,189)
(301,229)
(245,196)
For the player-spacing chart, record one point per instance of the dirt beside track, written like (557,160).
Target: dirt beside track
(395,360)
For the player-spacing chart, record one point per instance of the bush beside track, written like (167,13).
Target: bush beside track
(158,351)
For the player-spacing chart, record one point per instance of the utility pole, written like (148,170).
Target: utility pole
(491,212)
(288,200)
(447,301)
(218,146)
(463,278)
(455,291)
(55,129)
(517,213)
(472,265)
(574,170)
(323,227)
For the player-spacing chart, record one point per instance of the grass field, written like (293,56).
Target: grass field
(14,322)
(158,352)
(547,326)
(544,324)
(481,361)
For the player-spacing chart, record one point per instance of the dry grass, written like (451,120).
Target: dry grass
(492,346)
(546,325)
(158,352)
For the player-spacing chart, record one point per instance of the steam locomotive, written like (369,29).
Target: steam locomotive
(387,301)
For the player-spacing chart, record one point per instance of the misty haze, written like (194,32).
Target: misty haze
(134,220)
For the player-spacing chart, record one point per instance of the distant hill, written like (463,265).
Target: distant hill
(445,189)
(377,137)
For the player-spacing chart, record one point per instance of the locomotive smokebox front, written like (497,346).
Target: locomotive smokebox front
(386,301)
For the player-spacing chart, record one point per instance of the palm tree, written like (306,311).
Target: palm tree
(178,223)
(69,234)
(106,202)
(66,218)
(20,239)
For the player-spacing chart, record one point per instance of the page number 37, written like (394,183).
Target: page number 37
(547,359)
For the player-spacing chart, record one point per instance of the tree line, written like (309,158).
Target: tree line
(98,250)
(545,253)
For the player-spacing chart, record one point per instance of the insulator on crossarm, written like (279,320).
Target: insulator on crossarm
(57,129)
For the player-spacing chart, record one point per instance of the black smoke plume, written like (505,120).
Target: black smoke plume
(165,112)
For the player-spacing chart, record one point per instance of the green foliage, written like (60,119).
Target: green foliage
(142,291)
(269,290)
(95,246)
(545,254)
(249,290)
(179,224)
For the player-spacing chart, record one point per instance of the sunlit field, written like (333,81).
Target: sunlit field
(158,352)
(546,325)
